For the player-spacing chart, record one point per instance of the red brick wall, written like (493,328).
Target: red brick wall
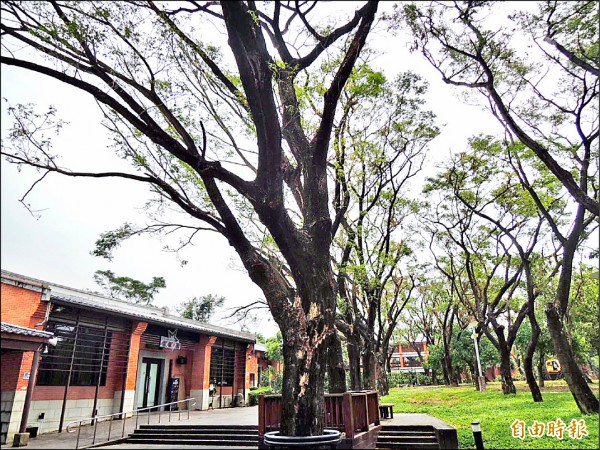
(21,306)
(239,379)
(24,307)
(183,371)
(251,365)
(11,366)
(201,363)
(134,353)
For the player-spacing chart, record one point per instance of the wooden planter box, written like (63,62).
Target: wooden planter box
(355,414)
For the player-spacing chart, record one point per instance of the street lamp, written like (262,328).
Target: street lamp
(480,378)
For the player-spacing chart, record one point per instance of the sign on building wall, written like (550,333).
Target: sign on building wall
(170,342)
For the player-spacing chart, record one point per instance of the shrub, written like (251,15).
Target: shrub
(254,394)
(399,379)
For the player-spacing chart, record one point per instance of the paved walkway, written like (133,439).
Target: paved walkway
(238,416)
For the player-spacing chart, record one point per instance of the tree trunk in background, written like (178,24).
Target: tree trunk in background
(528,360)
(449,376)
(354,361)
(335,366)
(584,397)
(508,386)
(540,368)
(383,384)
(369,362)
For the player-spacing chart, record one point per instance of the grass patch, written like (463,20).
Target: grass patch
(496,412)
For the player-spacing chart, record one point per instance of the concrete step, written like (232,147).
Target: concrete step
(406,433)
(197,427)
(407,446)
(216,431)
(401,439)
(177,441)
(385,428)
(196,436)
(404,437)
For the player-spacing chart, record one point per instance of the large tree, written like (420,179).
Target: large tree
(545,96)
(221,141)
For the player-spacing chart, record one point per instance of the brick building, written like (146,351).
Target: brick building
(109,356)
(407,357)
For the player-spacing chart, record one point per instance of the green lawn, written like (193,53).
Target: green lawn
(496,412)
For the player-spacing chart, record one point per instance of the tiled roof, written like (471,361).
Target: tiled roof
(16,329)
(151,314)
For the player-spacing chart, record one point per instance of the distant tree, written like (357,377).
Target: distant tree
(200,308)
(126,288)
(275,347)
(545,95)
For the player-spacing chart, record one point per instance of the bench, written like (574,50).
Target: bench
(386,410)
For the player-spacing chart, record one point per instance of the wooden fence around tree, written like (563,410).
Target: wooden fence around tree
(356,414)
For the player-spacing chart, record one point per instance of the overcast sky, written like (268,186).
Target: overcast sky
(73,212)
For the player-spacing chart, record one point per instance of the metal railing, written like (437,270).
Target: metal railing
(95,419)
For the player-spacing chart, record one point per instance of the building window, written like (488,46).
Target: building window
(81,346)
(222,364)
(411,361)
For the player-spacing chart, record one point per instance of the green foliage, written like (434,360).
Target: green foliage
(109,241)
(583,314)
(496,412)
(403,379)
(126,288)
(272,379)
(275,347)
(463,354)
(257,392)
(200,308)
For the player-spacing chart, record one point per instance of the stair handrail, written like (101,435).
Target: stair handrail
(96,418)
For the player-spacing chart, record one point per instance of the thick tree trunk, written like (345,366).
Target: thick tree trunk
(335,366)
(302,393)
(354,362)
(584,397)
(528,360)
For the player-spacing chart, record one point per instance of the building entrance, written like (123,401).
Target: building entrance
(150,382)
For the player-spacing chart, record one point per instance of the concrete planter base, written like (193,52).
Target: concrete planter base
(21,439)
(329,440)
